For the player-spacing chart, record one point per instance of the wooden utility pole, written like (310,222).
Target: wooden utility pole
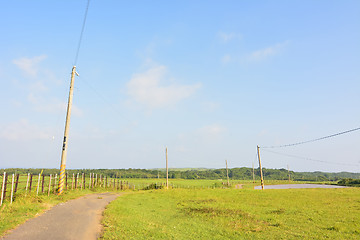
(66,133)
(167,169)
(253,172)
(261,173)
(227,174)
(288,172)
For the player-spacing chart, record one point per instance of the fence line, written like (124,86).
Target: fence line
(23,185)
(18,185)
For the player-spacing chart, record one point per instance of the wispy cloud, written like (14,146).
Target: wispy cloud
(210,106)
(264,53)
(212,130)
(52,105)
(226,59)
(151,88)
(39,85)
(23,130)
(29,66)
(227,37)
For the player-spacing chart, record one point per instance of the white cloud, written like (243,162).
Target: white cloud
(227,37)
(210,106)
(52,105)
(262,54)
(226,59)
(146,88)
(29,65)
(23,130)
(212,130)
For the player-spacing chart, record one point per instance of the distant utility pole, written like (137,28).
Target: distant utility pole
(66,132)
(167,169)
(253,173)
(288,172)
(261,173)
(227,173)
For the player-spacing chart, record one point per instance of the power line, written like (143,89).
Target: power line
(313,140)
(309,159)
(105,100)
(81,34)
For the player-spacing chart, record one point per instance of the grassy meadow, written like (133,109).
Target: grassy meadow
(207,209)
(207,213)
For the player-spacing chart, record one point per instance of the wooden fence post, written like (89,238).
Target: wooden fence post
(27,184)
(49,186)
(90,181)
(3,189)
(42,184)
(12,188)
(66,181)
(72,183)
(31,177)
(76,179)
(16,182)
(38,185)
(84,177)
(55,183)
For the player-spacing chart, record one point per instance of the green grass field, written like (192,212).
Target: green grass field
(235,214)
(206,209)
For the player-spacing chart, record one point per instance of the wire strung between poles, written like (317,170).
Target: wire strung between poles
(81,33)
(313,140)
(309,159)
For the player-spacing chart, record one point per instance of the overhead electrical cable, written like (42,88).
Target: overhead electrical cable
(81,33)
(313,140)
(309,159)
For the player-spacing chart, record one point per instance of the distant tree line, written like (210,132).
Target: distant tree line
(234,173)
(349,182)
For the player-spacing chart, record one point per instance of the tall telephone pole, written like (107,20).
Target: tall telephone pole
(253,172)
(289,172)
(167,169)
(227,174)
(261,173)
(66,132)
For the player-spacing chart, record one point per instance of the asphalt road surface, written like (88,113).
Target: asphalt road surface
(291,186)
(76,219)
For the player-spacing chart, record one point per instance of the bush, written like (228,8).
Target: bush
(349,182)
(153,186)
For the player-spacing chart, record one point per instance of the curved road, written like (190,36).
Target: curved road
(76,219)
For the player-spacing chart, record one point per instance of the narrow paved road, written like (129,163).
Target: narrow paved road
(76,219)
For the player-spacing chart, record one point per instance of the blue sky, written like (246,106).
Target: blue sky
(210,80)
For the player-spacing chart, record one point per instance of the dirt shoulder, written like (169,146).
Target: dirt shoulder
(76,219)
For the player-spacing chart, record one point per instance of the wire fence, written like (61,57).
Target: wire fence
(15,185)
(26,185)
